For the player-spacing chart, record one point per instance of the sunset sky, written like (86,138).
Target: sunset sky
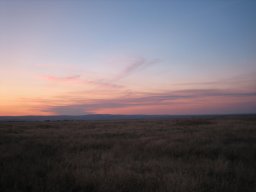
(75,57)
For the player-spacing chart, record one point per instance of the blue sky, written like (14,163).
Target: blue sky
(145,46)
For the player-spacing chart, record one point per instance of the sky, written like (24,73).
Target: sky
(75,57)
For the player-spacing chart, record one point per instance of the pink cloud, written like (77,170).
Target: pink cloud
(79,80)
(73,78)
(104,83)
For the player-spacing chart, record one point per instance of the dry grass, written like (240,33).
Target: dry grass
(185,155)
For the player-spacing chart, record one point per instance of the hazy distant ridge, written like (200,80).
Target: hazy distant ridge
(81,117)
(109,117)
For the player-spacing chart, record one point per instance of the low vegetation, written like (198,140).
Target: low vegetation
(216,154)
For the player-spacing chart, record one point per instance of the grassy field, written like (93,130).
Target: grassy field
(216,154)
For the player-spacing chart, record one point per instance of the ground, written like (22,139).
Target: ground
(200,154)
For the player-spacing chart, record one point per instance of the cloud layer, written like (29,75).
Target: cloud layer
(172,99)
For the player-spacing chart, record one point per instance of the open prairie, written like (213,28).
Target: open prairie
(202,154)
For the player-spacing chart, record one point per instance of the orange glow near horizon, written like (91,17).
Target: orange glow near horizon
(144,104)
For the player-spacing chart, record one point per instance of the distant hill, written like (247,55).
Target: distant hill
(104,117)
(80,117)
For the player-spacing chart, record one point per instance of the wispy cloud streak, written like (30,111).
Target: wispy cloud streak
(77,79)
(134,64)
(64,79)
